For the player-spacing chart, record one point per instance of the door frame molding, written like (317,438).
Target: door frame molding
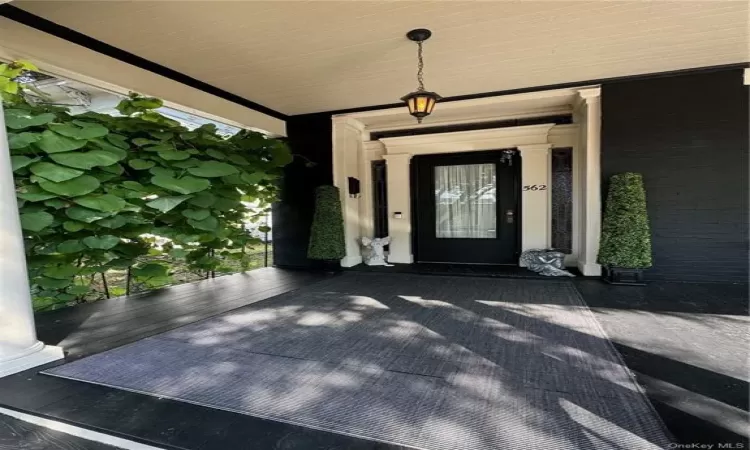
(534,149)
(353,151)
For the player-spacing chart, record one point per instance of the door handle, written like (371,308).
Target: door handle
(510,216)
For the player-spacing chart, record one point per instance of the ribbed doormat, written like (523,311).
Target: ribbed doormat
(435,363)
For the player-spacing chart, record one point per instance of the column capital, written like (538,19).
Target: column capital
(373,146)
(534,148)
(348,122)
(590,94)
(398,157)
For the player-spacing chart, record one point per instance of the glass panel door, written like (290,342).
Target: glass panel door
(465,201)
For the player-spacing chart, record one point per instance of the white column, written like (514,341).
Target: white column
(399,207)
(347,154)
(592,205)
(19,347)
(535,198)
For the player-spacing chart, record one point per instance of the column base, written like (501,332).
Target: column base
(590,269)
(351,261)
(37,355)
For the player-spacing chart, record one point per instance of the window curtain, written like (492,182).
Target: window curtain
(465,201)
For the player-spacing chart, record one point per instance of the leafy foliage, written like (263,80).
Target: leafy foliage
(626,238)
(327,231)
(96,192)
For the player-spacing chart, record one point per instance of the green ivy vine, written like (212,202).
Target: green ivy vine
(95,191)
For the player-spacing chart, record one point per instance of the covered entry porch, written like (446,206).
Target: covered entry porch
(407,360)
(496,316)
(607,57)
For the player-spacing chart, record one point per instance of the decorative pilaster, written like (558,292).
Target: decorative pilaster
(535,196)
(399,207)
(591,180)
(347,154)
(19,347)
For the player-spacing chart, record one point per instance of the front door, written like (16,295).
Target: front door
(467,207)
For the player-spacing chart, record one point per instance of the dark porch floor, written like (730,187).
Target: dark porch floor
(686,342)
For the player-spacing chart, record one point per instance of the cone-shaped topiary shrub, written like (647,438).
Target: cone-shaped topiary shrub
(327,231)
(626,238)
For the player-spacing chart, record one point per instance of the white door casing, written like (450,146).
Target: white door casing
(534,143)
(531,141)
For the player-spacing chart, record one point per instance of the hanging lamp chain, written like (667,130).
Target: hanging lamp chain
(420,68)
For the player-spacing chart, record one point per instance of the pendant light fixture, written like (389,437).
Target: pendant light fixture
(420,102)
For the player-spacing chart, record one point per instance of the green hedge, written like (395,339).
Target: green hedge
(327,232)
(626,237)
(97,193)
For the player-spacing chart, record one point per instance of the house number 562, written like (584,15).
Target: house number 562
(535,187)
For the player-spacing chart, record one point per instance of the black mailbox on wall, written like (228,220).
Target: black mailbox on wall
(353,187)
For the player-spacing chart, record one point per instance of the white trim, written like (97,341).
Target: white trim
(486,109)
(746,76)
(347,137)
(589,93)
(479,118)
(351,261)
(589,269)
(591,178)
(536,226)
(353,154)
(468,136)
(468,141)
(471,103)
(399,200)
(19,347)
(76,431)
(532,143)
(37,355)
(348,121)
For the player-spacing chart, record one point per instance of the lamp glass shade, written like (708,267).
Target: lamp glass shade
(421,103)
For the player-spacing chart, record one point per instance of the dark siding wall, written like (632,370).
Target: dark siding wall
(688,136)
(309,137)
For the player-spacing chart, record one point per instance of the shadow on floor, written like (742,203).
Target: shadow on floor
(686,342)
(688,345)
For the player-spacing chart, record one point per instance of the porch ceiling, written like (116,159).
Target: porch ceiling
(308,56)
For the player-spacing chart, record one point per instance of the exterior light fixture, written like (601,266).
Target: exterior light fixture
(420,102)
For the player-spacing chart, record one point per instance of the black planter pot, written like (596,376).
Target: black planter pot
(622,276)
(328,265)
